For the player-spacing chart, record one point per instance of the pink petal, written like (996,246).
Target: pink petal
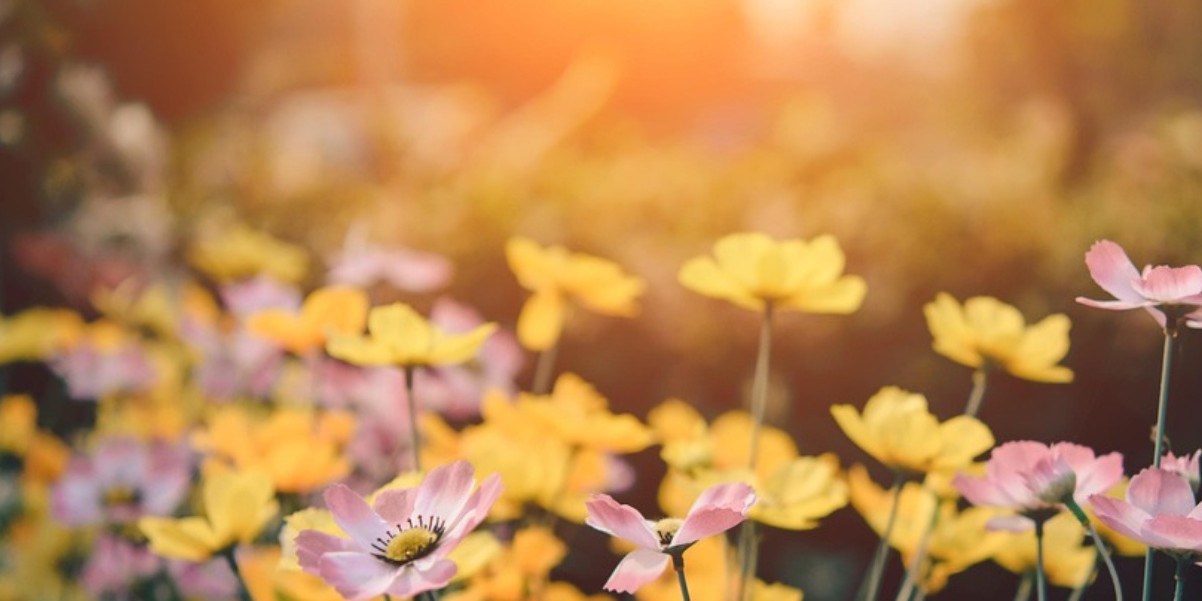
(719,508)
(622,521)
(735,496)
(412,582)
(1110,267)
(354,515)
(636,569)
(445,490)
(396,505)
(312,544)
(1174,532)
(476,509)
(981,491)
(1160,492)
(1114,305)
(357,576)
(1124,518)
(1170,284)
(1094,474)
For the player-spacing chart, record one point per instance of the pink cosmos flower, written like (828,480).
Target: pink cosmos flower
(1031,477)
(1161,290)
(718,509)
(1159,511)
(1185,466)
(398,545)
(92,373)
(121,481)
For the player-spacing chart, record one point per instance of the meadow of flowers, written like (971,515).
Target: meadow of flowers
(411,342)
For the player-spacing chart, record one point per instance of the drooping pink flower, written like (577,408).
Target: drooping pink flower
(1161,290)
(1030,476)
(1160,511)
(719,508)
(121,481)
(398,544)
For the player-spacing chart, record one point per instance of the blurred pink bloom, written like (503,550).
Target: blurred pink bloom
(363,264)
(456,390)
(92,373)
(1161,290)
(250,296)
(115,566)
(1160,511)
(1185,466)
(123,480)
(398,545)
(210,580)
(719,508)
(1031,476)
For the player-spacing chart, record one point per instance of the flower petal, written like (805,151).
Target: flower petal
(636,569)
(412,582)
(445,490)
(622,521)
(1160,492)
(1123,517)
(357,576)
(719,508)
(1170,284)
(1110,267)
(312,544)
(354,515)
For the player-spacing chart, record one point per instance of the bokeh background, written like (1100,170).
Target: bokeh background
(968,146)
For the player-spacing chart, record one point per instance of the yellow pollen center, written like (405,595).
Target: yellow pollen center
(666,529)
(120,495)
(410,544)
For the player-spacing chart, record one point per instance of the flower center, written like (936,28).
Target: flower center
(120,496)
(666,529)
(413,540)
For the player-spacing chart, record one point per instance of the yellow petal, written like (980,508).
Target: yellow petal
(703,276)
(963,438)
(457,348)
(360,350)
(188,538)
(841,297)
(533,267)
(541,321)
(339,309)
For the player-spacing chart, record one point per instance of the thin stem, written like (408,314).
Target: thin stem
(920,557)
(1179,590)
(1097,541)
(415,441)
(678,563)
(228,554)
(1024,587)
(872,584)
(978,391)
(748,558)
(1166,366)
(544,370)
(759,385)
(1041,587)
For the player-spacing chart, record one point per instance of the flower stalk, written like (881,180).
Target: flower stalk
(1097,541)
(1041,582)
(415,441)
(1166,366)
(544,370)
(979,376)
(759,401)
(872,583)
(1179,589)
(228,554)
(678,564)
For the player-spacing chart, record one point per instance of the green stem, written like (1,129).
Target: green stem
(1166,366)
(1041,585)
(872,584)
(544,370)
(678,563)
(1179,590)
(415,441)
(228,554)
(748,558)
(912,574)
(1024,588)
(1097,541)
(978,391)
(759,385)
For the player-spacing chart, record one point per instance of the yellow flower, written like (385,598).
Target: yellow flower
(399,336)
(575,413)
(897,429)
(986,332)
(1066,561)
(555,275)
(300,450)
(34,334)
(237,506)
(333,309)
(752,269)
(156,307)
(511,573)
(18,423)
(712,576)
(267,580)
(240,251)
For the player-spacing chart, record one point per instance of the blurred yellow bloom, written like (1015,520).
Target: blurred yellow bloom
(156,307)
(267,580)
(752,269)
(333,309)
(240,251)
(712,576)
(399,336)
(237,505)
(301,450)
(18,423)
(986,332)
(46,458)
(33,334)
(959,538)
(556,275)
(575,413)
(513,573)
(1066,561)
(897,429)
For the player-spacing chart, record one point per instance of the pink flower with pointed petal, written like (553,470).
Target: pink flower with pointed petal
(1031,476)
(1160,511)
(122,480)
(1162,291)
(398,545)
(719,508)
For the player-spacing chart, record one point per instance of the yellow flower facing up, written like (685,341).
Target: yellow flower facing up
(397,335)
(237,506)
(240,251)
(898,430)
(753,269)
(986,332)
(556,276)
(334,309)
